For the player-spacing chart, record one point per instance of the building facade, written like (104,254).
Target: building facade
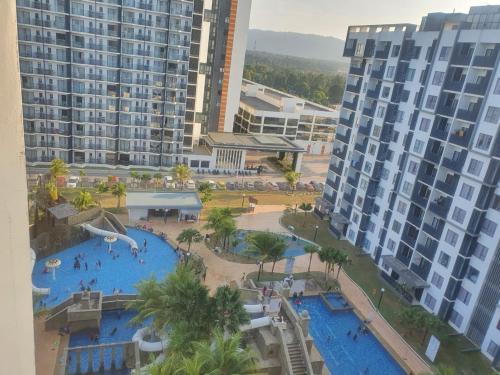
(414,175)
(113,82)
(264,110)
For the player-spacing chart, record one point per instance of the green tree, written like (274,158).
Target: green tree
(267,246)
(83,201)
(341,259)
(53,190)
(327,255)
(225,230)
(135,176)
(145,178)
(229,313)
(310,249)
(205,191)
(182,173)
(58,168)
(305,207)
(409,317)
(82,174)
(189,235)
(220,220)
(119,190)
(102,187)
(292,178)
(158,178)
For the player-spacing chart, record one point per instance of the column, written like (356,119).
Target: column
(297,161)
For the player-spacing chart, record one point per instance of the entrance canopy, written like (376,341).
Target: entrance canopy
(187,204)
(405,274)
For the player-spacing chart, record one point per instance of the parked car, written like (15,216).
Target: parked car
(283,186)
(212,184)
(73,182)
(168,182)
(249,185)
(240,186)
(230,185)
(221,185)
(309,188)
(259,186)
(300,186)
(190,185)
(272,186)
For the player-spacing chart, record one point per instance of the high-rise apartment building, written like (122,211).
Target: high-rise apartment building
(114,82)
(414,176)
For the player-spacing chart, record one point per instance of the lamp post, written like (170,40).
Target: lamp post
(243,199)
(315,232)
(188,254)
(382,290)
(261,264)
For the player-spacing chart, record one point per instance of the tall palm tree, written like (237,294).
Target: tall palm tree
(310,249)
(229,313)
(305,207)
(83,201)
(158,177)
(189,235)
(220,220)
(182,173)
(340,260)
(224,356)
(327,255)
(292,178)
(267,246)
(58,168)
(226,228)
(119,190)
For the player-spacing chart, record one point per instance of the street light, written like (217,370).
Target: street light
(315,232)
(243,199)
(261,264)
(382,290)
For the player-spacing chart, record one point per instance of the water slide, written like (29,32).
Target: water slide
(256,323)
(105,233)
(147,346)
(37,290)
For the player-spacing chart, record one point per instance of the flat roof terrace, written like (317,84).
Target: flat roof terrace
(254,142)
(181,201)
(258,104)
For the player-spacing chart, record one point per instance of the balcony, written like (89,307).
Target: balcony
(340,152)
(383,53)
(461,55)
(347,121)
(354,88)
(336,168)
(486,61)
(480,86)
(434,231)
(369,111)
(343,137)
(449,185)
(441,206)
(350,197)
(414,218)
(432,156)
(428,250)
(440,132)
(446,109)
(455,163)
(454,85)
(357,164)
(462,136)
(374,93)
(361,147)
(351,105)
(357,70)
(378,73)
(418,197)
(470,114)
(353,181)
(425,177)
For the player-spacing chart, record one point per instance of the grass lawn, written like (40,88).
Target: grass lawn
(364,272)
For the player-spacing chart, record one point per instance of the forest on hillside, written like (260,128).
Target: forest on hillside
(315,80)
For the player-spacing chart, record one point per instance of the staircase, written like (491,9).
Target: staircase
(298,365)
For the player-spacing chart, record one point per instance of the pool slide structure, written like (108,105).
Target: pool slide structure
(148,346)
(43,291)
(106,233)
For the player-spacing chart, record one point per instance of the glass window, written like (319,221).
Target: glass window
(437,280)
(376,130)
(372,149)
(380,111)
(475,167)
(463,295)
(410,74)
(444,54)
(395,50)
(456,318)
(444,259)
(407,188)
(396,226)
(412,167)
(431,102)
(391,245)
(418,146)
(480,251)
(385,92)
(492,115)
(466,191)
(390,72)
(484,141)
(459,215)
(492,348)
(430,301)
(497,87)
(472,274)
(451,237)
(385,174)
(402,207)
(424,124)
(438,78)
(489,227)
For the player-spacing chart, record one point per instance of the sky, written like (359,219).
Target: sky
(332,17)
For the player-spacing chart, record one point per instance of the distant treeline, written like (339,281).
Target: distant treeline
(315,80)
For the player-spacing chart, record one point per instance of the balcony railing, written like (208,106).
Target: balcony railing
(434,231)
(456,163)
(486,61)
(441,206)
(462,136)
(480,86)
(449,185)
(470,114)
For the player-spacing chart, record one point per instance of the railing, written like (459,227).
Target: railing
(284,355)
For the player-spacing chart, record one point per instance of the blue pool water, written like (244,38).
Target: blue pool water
(335,299)
(343,355)
(294,247)
(122,272)
(110,320)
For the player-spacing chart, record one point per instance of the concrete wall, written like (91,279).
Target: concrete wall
(17,351)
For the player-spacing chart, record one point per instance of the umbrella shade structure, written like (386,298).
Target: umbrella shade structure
(109,240)
(53,264)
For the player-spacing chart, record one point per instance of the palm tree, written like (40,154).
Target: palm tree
(135,176)
(206,192)
(220,220)
(268,246)
(52,189)
(225,230)
(189,235)
(145,177)
(224,356)
(228,310)
(83,201)
(306,207)
(58,168)
(340,260)
(158,177)
(82,174)
(310,249)
(292,178)
(182,173)
(119,190)
(327,255)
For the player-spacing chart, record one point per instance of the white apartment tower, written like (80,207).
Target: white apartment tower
(414,175)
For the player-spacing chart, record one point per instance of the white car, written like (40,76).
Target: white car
(168,182)
(73,182)
(212,184)
(190,185)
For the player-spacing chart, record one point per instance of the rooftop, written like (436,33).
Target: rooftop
(183,200)
(62,211)
(256,142)
(257,103)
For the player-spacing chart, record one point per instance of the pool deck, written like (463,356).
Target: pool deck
(46,347)
(267,218)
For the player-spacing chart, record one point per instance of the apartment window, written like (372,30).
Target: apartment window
(401,207)
(363,184)
(464,296)
(489,227)
(456,318)
(385,92)
(368,167)
(430,301)
(399,116)
(380,112)
(380,192)
(372,149)
(371,226)
(351,235)
(492,348)
(412,167)
(466,192)
(410,75)
(444,259)
(385,174)
(431,102)
(438,78)
(484,141)
(444,54)
(391,245)
(359,201)
(396,226)
(480,251)
(497,87)
(458,215)
(451,237)
(492,115)
(418,146)
(472,274)
(390,72)
(407,187)
(376,131)
(395,50)
(366,244)
(475,167)
(425,123)
(437,280)
(355,218)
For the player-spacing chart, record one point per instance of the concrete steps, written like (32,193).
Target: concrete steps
(298,365)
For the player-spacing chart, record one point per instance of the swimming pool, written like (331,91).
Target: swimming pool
(119,319)
(295,247)
(342,354)
(336,300)
(119,270)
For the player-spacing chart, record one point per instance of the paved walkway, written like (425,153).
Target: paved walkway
(46,348)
